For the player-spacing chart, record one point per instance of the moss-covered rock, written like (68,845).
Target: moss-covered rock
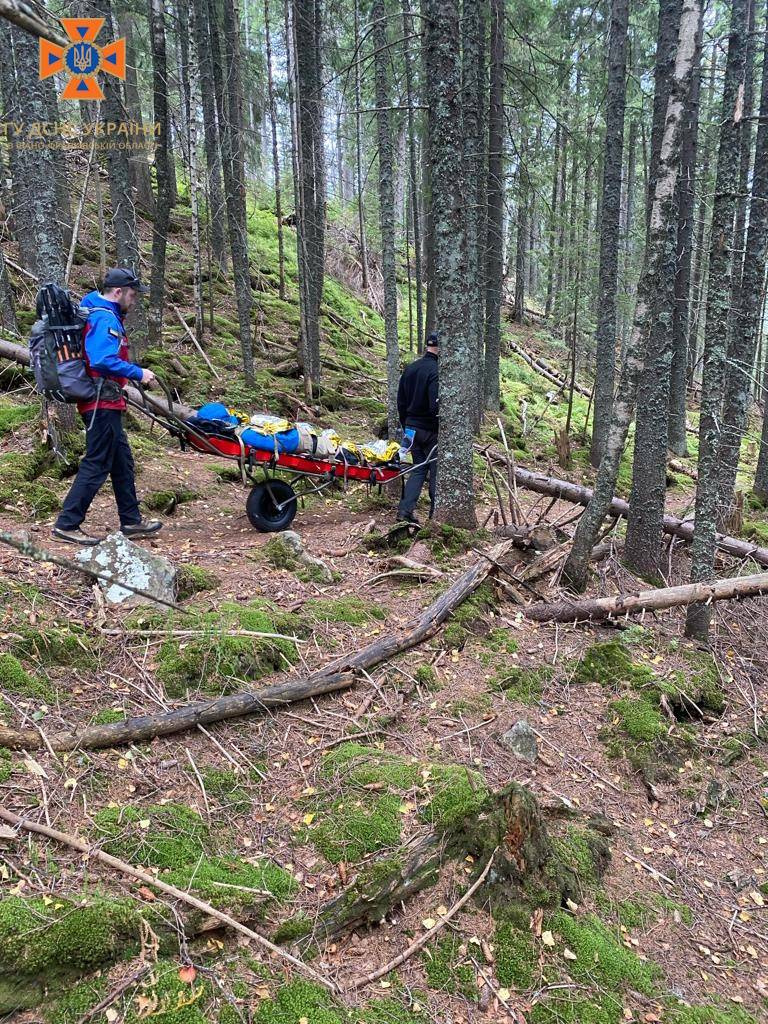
(520,683)
(20,488)
(610,663)
(194,579)
(167,499)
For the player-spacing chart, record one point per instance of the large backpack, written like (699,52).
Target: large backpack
(57,349)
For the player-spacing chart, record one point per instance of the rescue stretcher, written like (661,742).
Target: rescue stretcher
(272,502)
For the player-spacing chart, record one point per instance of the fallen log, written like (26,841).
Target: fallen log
(338,675)
(545,371)
(596,609)
(579,495)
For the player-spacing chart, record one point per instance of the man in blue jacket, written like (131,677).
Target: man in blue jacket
(418,408)
(107,450)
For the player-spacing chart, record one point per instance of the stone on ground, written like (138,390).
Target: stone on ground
(521,740)
(130,563)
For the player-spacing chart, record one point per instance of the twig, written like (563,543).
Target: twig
(648,867)
(115,993)
(498,492)
(195,342)
(200,782)
(577,761)
(514,504)
(423,939)
(171,890)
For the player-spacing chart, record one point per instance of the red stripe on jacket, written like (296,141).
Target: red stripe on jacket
(118,404)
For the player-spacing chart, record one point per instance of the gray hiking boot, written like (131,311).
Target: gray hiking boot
(75,536)
(143,529)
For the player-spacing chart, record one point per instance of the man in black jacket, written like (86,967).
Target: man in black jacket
(417,408)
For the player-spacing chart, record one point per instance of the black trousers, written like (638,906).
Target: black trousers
(424,446)
(107,453)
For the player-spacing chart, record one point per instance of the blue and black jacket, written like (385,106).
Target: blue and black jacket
(106,349)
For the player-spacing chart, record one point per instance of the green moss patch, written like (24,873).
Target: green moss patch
(600,958)
(349,829)
(514,949)
(708,1015)
(522,684)
(167,499)
(77,1001)
(611,664)
(471,617)
(15,679)
(216,662)
(495,645)
(448,969)
(12,415)
(67,645)
(300,999)
(20,488)
(558,1009)
(351,610)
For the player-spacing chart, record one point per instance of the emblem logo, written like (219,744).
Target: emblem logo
(82,59)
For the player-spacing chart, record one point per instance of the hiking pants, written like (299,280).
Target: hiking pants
(424,445)
(107,454)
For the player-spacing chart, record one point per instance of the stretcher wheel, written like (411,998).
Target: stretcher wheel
(263,506)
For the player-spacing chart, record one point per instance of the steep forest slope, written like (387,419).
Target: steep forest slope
(650,765)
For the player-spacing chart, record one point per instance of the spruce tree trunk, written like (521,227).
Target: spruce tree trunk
(216,211)
(521,240)
(386,211)
(668,25)
(746,319)
(139,165)
(494,267)
(678,439)
(642,550)
(365,283)
(194,180)
(662,210)
(17,157)
(455,493)
(275,154)
(415,206)
(746,136)
(162,172)
(610,209)
(471,65)
(721,261)
(233,163)
(428,232)
(310,220)
(553,217)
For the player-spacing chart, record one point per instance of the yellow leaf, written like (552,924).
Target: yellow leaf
(503,994)
(111,1014)
(569,954)
(308,819)
(145,823)
(429,922)
(548,938)
(309,791)
(757,898)
(386,984)
(441,910)
(122,763)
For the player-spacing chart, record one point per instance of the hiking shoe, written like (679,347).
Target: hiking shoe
(143,529)
(75,536)
(409,518)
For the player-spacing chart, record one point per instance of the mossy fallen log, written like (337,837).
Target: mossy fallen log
(338,675)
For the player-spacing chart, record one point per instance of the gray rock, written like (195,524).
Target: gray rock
(293,545)
(521,740)
(133,564)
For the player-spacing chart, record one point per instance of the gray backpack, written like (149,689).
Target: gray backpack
(56,348)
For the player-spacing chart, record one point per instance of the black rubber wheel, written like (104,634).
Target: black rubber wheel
(263,508)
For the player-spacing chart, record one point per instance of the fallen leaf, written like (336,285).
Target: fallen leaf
(111,1014)
(308,819)
(503,994)
(429,922)
(187,974)
(569,954)
(441,910)
(146,893)
(548,938)
(757,898)
(34,768)
(145,823)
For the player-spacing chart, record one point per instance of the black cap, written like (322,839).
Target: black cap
(122,277)
(433,340)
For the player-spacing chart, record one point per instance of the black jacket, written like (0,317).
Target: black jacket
(417,398)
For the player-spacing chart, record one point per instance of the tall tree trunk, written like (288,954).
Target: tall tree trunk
(233,163)
(428,232)
(494,266)
(629,226)
(686,187)
(471,63)
(413,174)
(642,551)
(746,136)
(698,256)
(610,209)
(275,154)
(455,493)
(163,204)
(139,165)
(746,316)
(365,281)
(310,221)
(194,181)
(18,157)
(521,238)
(553,217)
(721,265)
(576,567)
(386,211)
(668,23)
(216,208)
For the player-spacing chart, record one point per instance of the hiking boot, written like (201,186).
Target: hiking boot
(143,529)
(75,536)
(409,517)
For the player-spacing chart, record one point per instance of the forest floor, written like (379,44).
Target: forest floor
(271,816)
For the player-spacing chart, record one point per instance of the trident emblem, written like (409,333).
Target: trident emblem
(82,59)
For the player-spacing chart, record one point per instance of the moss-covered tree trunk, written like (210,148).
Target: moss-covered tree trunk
(494,245)
(162,171)
(472,62)
(455,493)
(721,260)
(386,210)
(610,208)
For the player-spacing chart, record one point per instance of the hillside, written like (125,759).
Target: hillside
(647,747)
